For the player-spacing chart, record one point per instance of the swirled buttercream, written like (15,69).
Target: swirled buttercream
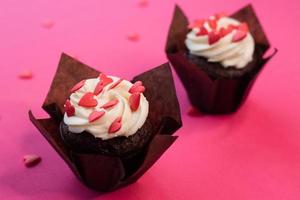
(106,107)
(223,40)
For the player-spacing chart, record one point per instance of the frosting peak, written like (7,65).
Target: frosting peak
(221,39)
(106,107)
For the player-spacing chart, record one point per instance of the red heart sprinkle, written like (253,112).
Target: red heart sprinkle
(99,87)
(27,74)
(238,36)
(70,110)
(192,111)
(243,27)
(47,24)
(225,31)
(212,23)
(137,87)
(31,160)
(134,37)
(77,86)
(110,103)
(138,83)
(105,80)
(202,32)
(220,15)
(143,3)
(116,84)
(115,126)
(95,115)
(87,100)
(197,23)
(213,37)
(134,101)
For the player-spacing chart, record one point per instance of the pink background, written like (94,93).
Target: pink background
(252,154)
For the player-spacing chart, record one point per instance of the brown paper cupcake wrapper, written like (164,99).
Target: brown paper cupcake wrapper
(101,172)
(211,94)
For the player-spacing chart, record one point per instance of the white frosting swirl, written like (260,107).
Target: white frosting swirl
(131,120)
(227,53)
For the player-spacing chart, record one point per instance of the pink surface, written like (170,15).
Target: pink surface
(252,154)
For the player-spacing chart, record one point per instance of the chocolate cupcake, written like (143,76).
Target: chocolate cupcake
(108,130)
(217,58)
(106,115)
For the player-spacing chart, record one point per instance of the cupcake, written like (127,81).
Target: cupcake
(217,58)
(109,130)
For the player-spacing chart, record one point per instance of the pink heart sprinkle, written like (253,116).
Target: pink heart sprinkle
(88,101)
(143,3)
(213,37)
(99,87)
(202,31)
(69,108)
(110,104)
(105,80)
(116,83)
(243,27)
(220,15)
(239,35)
(134,37)
(115,126)
(31,160)
(47,24)
(27,74)
(197,23)
(192,111)
(96,115)
(137,89)
(212,23)
(77,86)
(134,101)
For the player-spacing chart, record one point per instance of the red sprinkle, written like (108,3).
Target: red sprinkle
(197,23)
(77,86)
(202,31)
(239,35)
(31,160)
(231,26)
(110,103)
(243,27)
(134,101)
(192,111)
(143,3)
(212,23)
(88,101)
(115,126)
(225,31)
(116,83)
(138,83)
(69,108)
(47,24)
(220,15)
(105,80)
(137,87)
(99,87)
(134,37)
(213,37)
(27,74)
(96,115)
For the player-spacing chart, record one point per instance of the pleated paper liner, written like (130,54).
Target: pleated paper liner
(102,172)
(209,93)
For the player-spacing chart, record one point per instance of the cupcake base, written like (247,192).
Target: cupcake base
(216,70)
(119,146)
